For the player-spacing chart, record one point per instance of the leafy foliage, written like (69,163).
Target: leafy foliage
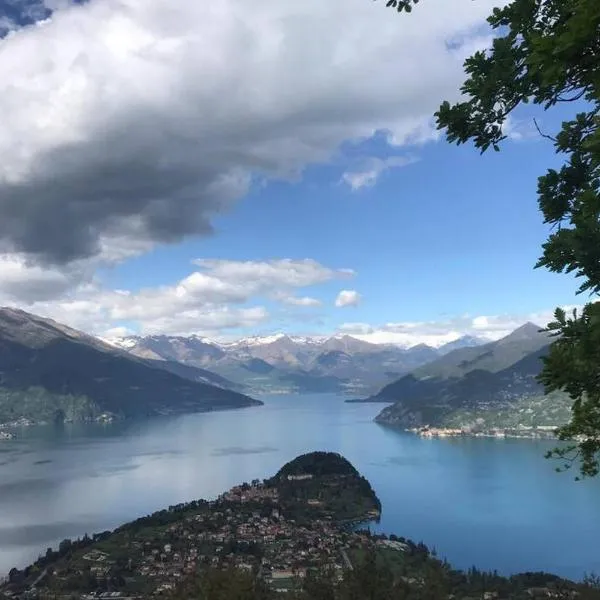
(572,365)
(415,576)
(231,584)
(548,52)
(318,464)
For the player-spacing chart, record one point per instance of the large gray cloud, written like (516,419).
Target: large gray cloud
(132,122)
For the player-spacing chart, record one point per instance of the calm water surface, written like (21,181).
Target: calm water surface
(490,503)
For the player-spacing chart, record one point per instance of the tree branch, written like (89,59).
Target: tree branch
(545,135)
(577,96)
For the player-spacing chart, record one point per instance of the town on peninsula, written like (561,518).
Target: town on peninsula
(301,534)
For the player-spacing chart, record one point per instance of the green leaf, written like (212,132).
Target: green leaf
(547,52)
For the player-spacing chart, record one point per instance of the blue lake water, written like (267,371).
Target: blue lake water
(496,504)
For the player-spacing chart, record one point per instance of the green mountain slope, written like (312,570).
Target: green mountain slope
(493,357)
(510,399)
(51,372)
(478,389)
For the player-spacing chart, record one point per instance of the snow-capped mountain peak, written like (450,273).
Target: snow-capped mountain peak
(264,340)
(338,339)
(257,340)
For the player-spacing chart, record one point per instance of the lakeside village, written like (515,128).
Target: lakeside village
(22,422)
(244,528)
(521,431)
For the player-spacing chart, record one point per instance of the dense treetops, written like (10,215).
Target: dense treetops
(324,484)
(318,464)
(547,52)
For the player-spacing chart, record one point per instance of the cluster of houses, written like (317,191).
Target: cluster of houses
(16,424)
(541,431)
(20,422)
(244,529)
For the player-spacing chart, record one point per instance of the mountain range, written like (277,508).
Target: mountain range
(292,364)
(50,372)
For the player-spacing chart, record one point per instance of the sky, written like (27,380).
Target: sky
(229,169)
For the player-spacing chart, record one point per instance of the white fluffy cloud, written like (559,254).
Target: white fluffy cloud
(128,123)
(225,299)
(303,301)
(520,129)
(274,273)
(367,174)
(26,282)
(436,333)
(307,301)
(347,298)
(217,296)
(481,322)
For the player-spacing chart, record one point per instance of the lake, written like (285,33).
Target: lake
(496,504)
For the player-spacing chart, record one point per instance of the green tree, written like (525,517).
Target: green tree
(319,585)
(547,52)
(368,580)
(231,584)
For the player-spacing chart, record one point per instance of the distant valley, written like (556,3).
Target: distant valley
(291,364)
(52,373)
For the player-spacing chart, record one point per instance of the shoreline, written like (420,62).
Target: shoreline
(543,432)
(25,423)
(111,418)
(358,526)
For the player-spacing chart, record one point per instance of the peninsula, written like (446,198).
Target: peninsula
(294,535)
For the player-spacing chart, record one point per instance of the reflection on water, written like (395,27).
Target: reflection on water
(493,503)
(238,450)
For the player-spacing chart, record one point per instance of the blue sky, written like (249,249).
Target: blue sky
(307,155)
(455,232)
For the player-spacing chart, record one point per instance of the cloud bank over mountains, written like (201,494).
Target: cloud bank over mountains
(133,123)
(437,333)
